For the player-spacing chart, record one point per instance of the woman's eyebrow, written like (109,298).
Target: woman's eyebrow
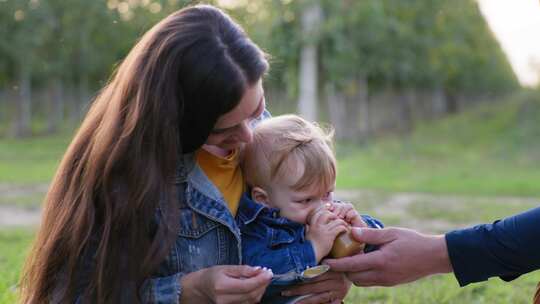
(221,130)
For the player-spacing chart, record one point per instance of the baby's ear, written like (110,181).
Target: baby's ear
(259,195)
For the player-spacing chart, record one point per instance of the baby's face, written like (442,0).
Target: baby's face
(296,205)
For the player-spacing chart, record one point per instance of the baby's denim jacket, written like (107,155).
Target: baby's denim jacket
(272,241)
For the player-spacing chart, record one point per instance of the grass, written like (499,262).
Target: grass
(26,166)
(461,212)
(444,289)
(31,160)
(434,213)
(492,150)
(14,244)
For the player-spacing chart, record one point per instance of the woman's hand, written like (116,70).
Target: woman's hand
(227,284)
(331,287)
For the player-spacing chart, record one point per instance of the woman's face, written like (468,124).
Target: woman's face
(233,128)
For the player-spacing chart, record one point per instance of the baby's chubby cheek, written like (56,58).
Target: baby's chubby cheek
(303,219)
(299,216)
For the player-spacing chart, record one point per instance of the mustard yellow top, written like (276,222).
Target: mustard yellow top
(225,174)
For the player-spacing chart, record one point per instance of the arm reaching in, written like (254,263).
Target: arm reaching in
(506,248)
(404,256)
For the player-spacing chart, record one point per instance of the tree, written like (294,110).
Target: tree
(26,24)
(311,23)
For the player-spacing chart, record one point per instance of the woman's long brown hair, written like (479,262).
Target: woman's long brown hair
(101,206)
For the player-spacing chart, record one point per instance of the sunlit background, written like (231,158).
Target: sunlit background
(435,103)
(516,24)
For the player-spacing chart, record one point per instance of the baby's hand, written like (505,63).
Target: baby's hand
(346,211)
(323,228)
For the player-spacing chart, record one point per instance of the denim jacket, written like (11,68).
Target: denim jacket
(272,241)
(208,236)
(269,240)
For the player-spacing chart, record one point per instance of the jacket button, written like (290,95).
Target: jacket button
(274,214)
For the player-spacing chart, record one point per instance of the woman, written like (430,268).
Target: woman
(131,216)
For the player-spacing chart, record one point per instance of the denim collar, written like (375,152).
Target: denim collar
(201,194)
(189,171)
(249,209)
(279,229)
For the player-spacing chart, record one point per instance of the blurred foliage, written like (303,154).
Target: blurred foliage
(74,40)
(398,43)
(55,54)
(405,43)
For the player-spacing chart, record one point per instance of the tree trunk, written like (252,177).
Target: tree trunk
(350,112)
(307,102)
(83,96)
(452,105)
(83,74)
(72,94)
(336,110)
(363,109)
(56,115)
(406,99)
(21,124)
(438,102)
(3,110)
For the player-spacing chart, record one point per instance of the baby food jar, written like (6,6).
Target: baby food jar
(344,244)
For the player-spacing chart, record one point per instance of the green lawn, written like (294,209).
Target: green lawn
(436,289)
(31,160)
(14,246)
(444,289)
(492,150)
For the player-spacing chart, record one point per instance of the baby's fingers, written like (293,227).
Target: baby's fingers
(354,218)
(327,217)
(337,226)
(322,217)
(344,209)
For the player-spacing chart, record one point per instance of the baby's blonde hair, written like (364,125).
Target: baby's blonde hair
(282,143)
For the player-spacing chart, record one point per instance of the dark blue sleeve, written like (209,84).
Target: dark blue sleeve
(372,223)
(507,248)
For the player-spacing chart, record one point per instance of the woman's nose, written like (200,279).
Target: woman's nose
(245,133)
